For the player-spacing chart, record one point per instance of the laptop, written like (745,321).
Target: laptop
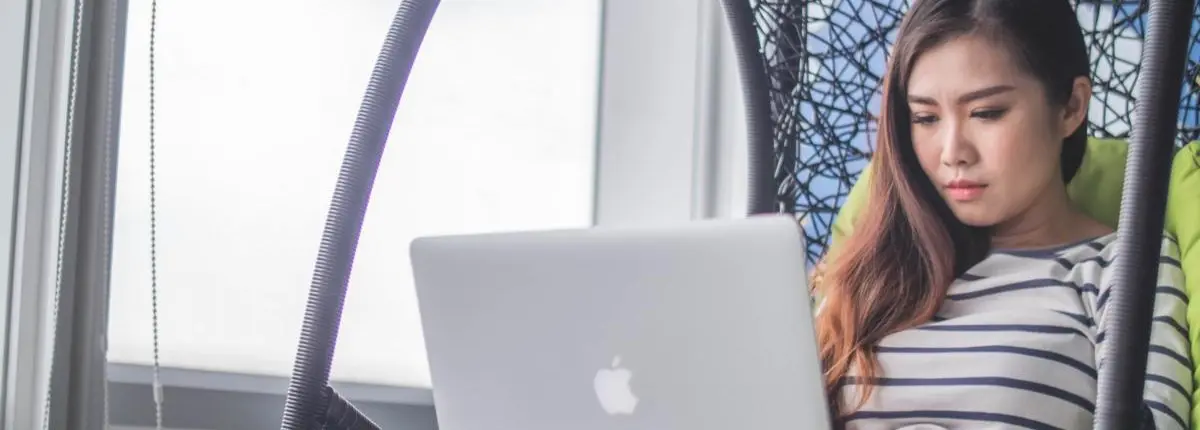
(703,325)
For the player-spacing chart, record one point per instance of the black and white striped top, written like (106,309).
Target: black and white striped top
(1016,344)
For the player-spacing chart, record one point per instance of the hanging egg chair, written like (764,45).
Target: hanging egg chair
(810,72)
(820,65)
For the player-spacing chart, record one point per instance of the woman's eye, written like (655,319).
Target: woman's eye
(923,119)
(989,114)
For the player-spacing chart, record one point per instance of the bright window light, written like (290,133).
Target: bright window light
(256,101)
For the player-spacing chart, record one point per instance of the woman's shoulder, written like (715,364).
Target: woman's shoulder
(1094,255)
(1097,257)
(1108,246)
(1084,248)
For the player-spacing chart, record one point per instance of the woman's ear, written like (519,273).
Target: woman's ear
(1077,106)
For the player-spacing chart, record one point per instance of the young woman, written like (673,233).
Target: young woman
(971,294)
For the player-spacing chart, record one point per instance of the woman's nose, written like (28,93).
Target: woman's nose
(956,148)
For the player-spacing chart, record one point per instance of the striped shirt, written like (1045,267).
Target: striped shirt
(1016,345)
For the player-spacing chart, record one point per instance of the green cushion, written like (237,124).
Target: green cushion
(1096,190)
(1183,219)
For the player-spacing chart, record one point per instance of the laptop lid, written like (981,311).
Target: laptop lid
(702,325)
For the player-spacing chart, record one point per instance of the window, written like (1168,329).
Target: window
(255,103)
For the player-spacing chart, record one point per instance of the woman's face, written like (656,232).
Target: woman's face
(985,132)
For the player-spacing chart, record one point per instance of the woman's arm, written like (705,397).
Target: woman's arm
(1168,386)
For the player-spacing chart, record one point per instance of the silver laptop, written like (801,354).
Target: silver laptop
(699,326)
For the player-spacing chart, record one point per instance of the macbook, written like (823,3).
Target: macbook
(703,325)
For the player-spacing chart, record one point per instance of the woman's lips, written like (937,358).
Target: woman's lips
(964,190)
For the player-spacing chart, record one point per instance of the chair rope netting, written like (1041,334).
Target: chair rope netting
(824,60)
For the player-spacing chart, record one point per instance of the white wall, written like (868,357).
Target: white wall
(672,127)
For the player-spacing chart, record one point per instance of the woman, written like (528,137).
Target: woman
(971,293)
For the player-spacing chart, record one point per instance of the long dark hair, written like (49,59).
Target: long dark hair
(892,273)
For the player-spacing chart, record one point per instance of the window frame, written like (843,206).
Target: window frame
(65,356)
(13,39)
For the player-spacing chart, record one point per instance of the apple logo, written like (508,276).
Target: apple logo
(613,390)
